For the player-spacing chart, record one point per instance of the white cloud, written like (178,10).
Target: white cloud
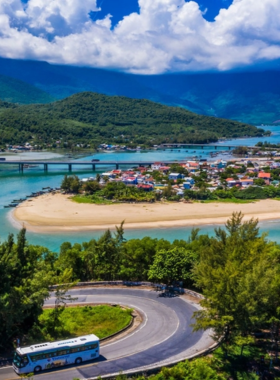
(167,35)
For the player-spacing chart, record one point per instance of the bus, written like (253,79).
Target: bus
(49,355)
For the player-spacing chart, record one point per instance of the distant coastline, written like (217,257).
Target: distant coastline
(57,213)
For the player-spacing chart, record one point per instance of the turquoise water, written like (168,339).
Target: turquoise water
(15,185)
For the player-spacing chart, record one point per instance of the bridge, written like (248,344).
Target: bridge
(31,163)
(202,146)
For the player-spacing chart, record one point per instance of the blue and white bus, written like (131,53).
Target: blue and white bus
(55,354)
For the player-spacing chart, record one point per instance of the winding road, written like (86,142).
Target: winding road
(163,337)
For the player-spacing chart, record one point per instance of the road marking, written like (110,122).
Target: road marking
(120,340)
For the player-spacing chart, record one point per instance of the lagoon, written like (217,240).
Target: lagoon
(15,185)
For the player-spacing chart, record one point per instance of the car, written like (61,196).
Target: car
(95,160)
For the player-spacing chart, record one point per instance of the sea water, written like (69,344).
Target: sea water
(15,185)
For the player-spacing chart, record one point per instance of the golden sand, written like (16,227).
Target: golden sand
(49,213)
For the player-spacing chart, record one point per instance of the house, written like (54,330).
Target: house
(117,172)
(156,165)
(175,176)
(130,180)
(246,182)
(189,180)
(265,176)
(164,169)
(150,180)
(145,187)
(187,185)
(231,182)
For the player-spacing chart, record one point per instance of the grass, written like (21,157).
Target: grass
(93,199)
(231,200)
(102,320)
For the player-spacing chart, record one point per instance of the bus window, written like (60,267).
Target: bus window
(62,352)
(20,361)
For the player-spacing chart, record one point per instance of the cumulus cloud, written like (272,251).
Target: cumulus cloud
(166,35)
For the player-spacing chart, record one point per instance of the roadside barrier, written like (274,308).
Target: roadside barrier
(158,287)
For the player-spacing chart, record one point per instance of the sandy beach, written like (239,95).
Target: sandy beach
(56,213)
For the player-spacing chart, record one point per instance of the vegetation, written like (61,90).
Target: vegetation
(239,274)
(89,118)
(26,274)
(237,270)
(112,191)
(250,366)
(251,97)
(15,91)
(190,370)
(234,194)
(103,320)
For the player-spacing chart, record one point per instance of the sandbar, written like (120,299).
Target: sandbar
(58,213)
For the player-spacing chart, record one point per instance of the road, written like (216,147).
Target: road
(165,335)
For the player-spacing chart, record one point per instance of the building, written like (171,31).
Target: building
(175,176)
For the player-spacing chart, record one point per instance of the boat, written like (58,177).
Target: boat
(45,188)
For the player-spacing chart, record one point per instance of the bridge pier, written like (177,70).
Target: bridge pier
(70,167)
(93,167)
(117,166)
(20,168)
(216,147)
(45,167)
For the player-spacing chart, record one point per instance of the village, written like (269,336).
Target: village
(201,180)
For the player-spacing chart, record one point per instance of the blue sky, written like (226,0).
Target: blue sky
(143,36)
(120,8)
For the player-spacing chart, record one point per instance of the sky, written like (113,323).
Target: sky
(143,36)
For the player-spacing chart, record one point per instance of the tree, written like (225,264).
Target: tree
(238,272)
(172,265)
(71,184)
(259,181)
(54,323)
(24,286)
(91,187)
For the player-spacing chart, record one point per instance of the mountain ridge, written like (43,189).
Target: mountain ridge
(17,91)
(250,97)
(94,118)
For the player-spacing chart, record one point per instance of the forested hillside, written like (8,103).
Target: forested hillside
(94,118)
(17,91)
(250,97)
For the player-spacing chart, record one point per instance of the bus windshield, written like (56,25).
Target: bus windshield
(20,361)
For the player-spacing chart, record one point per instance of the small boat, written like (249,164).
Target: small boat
(45,188)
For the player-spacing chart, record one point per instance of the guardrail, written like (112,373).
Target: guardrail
(158,287)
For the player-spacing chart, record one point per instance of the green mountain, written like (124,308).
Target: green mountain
(16,91)
(250,97)
(93,118)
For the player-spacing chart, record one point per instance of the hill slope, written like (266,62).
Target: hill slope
(17,91)
(251,97)
(89,117)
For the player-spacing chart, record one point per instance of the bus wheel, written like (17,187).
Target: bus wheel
(37,369)
(78,361)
